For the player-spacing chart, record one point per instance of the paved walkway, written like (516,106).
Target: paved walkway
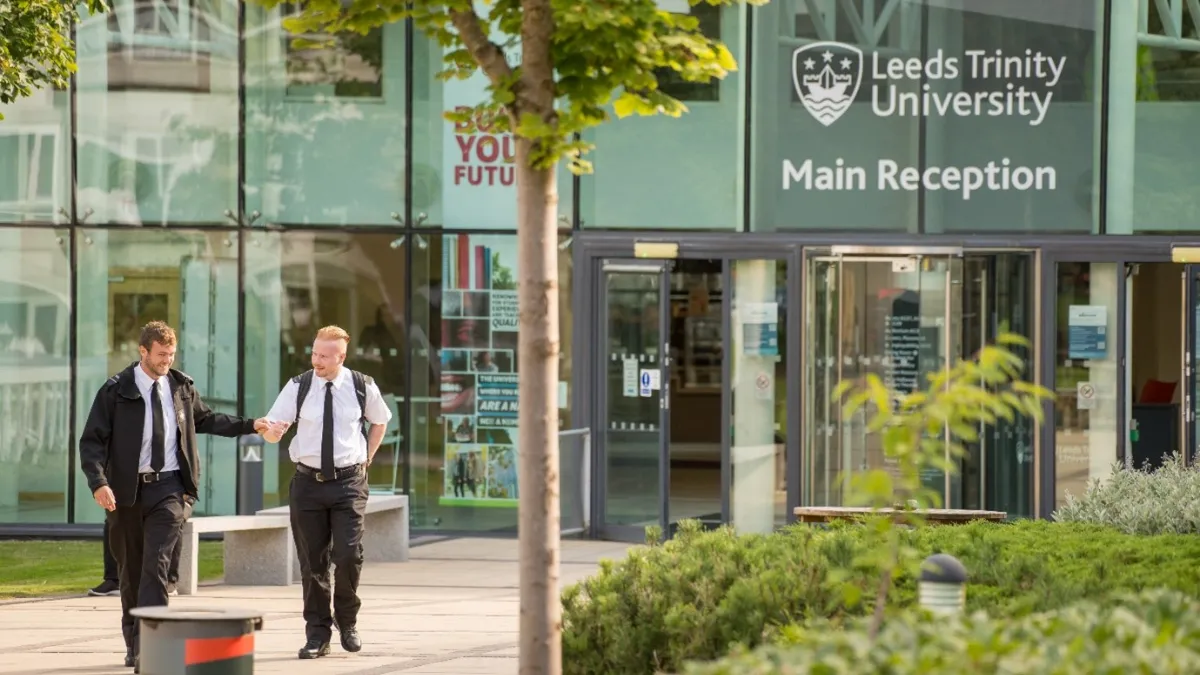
(452,609)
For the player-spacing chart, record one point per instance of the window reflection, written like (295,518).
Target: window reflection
(324,125)
(157,112)
(35,370)
(297,282)
(189,279)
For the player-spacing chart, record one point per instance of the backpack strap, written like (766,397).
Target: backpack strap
(360,390)
(303,384)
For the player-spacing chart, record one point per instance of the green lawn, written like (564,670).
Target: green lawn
(31,569)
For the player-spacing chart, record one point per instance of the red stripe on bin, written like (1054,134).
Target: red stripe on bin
(207,650)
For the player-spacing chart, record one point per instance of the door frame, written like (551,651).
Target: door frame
(1048,250)
(1191,331)
(1046,466)
(598,364)
(860,253)
(588,407)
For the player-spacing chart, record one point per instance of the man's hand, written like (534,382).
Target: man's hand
(261,425)
(275,431)
(105,498)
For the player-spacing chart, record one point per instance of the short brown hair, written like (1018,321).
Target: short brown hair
(333,333)
(157,331)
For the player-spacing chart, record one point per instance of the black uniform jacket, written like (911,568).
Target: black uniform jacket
(111,445)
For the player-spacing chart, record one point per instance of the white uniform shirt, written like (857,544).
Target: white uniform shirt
(349,445)
(170,425)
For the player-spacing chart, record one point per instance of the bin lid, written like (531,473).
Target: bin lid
(168,613)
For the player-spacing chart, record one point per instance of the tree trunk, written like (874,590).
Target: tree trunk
(537,438)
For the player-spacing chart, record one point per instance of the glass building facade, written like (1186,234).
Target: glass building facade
(880,188)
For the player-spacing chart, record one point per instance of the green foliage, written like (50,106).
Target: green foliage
(35,44)
(1140,502)
(928,429)
(1152,632)
(603,54)
(925,430)
(703,593)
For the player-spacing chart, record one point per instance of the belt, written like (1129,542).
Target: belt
(338,473)
(154,477)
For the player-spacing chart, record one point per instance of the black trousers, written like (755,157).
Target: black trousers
(111,573)
(143,539)
(327,524)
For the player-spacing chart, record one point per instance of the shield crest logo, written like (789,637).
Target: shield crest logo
(827,76)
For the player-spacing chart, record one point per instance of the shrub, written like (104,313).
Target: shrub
(1141,502)
(1155,632)
(703,593)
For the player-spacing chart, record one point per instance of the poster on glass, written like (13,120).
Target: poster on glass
(479,371)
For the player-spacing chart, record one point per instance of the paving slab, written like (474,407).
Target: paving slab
(453,608)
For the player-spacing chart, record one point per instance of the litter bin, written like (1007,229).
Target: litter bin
(178,641)
(250,474)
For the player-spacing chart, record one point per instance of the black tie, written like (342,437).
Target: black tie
(327,469)
(157,443)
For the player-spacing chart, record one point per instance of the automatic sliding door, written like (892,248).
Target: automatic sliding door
(893,317)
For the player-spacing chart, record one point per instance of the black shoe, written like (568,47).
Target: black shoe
(106,587)
(314,649)
(130,660)
(137,665)
(350,640)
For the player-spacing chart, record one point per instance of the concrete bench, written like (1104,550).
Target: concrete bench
(256,550)
(385,530)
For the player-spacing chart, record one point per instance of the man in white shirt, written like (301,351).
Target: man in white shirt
(328,493)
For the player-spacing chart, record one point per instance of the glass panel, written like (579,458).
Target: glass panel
(633,433)
(687,172)
(462,178)
(465,368)
(758,494)
(880,316)
(297,282)
(1164,90)
(35,158)
(128,278)
(35,371)
(324,126)
(997,473)
(926,116)
(1085,444)
(697,370)
(157,108)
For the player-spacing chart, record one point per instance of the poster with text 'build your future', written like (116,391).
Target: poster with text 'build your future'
(479,370)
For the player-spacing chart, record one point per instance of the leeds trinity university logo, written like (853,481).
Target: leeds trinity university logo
(827,76)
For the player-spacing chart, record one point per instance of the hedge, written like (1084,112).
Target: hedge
(702,594)
(1163,501)
(1154,632)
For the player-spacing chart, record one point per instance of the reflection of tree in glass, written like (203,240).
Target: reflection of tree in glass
(670,82)
(502,276)
(350,63)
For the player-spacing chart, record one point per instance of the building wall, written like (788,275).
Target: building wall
(250,201)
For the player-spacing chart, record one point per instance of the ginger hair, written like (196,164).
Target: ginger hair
(333,333)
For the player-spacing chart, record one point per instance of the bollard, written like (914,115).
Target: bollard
(943,584)
(250,474)
(196,641)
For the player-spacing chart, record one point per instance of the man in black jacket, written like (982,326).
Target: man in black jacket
(138,451)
